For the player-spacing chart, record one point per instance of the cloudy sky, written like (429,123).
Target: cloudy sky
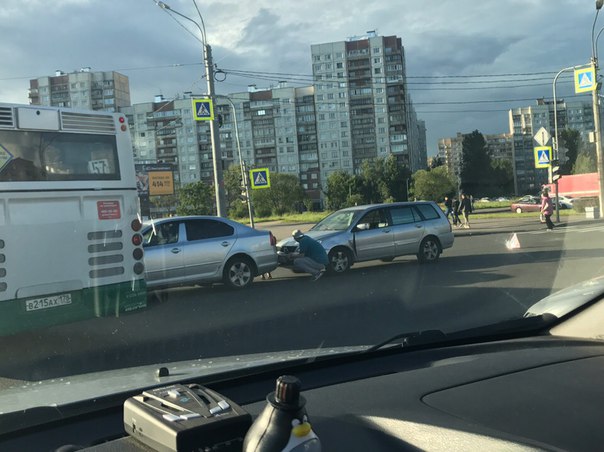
(468,61)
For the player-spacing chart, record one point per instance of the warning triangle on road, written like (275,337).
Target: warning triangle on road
(513,243)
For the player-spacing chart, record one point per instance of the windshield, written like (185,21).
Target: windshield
(444,131)
(337,221)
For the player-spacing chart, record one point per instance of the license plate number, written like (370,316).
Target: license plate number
(48,302)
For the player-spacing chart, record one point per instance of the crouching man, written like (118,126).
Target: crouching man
(311,258)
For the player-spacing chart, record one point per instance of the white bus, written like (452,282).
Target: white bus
(70,246)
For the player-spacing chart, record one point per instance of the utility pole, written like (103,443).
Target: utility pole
(214,129)
(215,135)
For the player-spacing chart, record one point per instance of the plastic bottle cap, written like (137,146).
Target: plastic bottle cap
(287,390)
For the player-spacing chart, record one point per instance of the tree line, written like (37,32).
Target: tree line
(378,180)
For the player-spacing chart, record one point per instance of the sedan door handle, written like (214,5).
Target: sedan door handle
(225,243)
(418,226)
(175,250)
(385,231)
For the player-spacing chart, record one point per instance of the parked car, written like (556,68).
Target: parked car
(526,204)
(205,249)
(530,203)
(379,231)
(566,202)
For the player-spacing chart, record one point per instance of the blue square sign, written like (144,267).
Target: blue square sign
(203,110)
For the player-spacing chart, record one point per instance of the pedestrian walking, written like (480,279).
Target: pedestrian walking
(547,209)
(448,208)
(456,211)
(311,257)
(465,208)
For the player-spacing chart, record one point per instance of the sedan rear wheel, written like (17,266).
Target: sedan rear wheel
(518,210)
(429,250)
(238,273)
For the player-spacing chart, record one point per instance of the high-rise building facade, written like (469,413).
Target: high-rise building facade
(84,89)
(273,128)
(363,107)
(524,122)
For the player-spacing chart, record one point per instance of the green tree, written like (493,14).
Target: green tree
(233,192)
(195,198)
(436,162)
(284,195)
(585,163)
(340,186)
(383,179)
(372,183)
(503,178)
(433,185)
(395,177)
(476,171)
(165,203)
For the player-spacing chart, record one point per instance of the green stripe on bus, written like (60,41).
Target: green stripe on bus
(102,301)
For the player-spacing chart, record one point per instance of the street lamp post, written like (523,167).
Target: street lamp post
(214,132)
(244,178)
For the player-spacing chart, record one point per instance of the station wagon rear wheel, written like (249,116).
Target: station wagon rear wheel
(429,250)
(238,273)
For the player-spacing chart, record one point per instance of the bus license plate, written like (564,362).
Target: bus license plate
(48,302)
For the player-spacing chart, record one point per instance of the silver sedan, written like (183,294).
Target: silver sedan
(205,249)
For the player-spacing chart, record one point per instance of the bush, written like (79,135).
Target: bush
(580,204)
(262,211)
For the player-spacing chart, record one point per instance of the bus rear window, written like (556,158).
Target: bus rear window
(28,156)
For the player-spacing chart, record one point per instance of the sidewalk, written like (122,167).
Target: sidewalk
(522,224)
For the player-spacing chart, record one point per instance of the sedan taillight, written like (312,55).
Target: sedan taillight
(273,239)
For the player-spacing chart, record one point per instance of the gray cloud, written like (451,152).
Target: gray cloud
(461,37)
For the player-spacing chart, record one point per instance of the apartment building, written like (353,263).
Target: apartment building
(363,107)
(273,128)
(524,122)
(83,89)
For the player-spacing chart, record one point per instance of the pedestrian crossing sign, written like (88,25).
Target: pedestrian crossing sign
(203,110)
(260,178)
(543,156)
(585,79)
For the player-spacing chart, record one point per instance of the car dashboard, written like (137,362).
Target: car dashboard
(540,392)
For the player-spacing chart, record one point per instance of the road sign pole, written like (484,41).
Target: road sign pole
(215,135)
(248,193)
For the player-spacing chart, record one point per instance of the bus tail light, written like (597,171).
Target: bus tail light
(137,239)
(136,225)
(137,254)
(139,268)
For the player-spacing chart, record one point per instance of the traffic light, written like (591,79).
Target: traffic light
(555,171)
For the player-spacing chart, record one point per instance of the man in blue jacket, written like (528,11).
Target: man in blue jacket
(312,257)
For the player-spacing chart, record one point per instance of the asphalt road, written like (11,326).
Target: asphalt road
(478,281)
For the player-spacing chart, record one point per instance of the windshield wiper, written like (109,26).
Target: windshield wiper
(410,339)
(495,331)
